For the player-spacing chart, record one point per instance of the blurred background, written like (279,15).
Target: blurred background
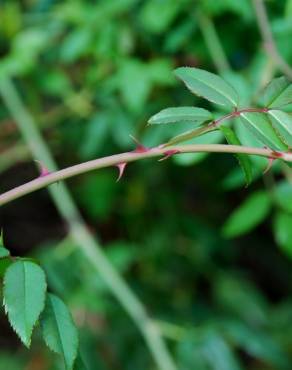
(209,257)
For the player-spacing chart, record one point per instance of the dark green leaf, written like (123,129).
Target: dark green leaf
(260,125)
(181,115)
(282,123)
(208,85)
(243,159)
(283,232)
(24,297)
(59,331)
(283,195)
(248,215)
(278,93)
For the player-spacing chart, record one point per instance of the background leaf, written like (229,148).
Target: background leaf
(24,297)
(248,215)
(59,331)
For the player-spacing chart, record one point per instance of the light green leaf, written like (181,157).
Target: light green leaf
(208,85)
(283,232)
(277,93)
(243,159)
(59,331)
(282,122)
(248,215)
(260,125)
(188,135)
(24,297)
(181,115)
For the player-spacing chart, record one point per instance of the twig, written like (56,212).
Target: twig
(79,232)
(114,160)
(267,36)
(212,42)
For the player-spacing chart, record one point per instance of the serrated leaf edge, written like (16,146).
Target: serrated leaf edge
(234,104)
(27,344)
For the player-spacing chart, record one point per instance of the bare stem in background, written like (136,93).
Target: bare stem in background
(267,36)
(80,233)
(213,43)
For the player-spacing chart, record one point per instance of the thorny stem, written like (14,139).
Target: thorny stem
(78,230)
(114,160)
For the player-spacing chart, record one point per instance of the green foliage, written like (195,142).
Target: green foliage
(181,115)
(251,213)
(24,297)
(278,93)
(243,159)
(260,125)
(59,331)
(91,73)
(208,85)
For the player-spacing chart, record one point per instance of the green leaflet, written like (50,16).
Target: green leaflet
(208,85)
(282,122)
(24,297)
(260,125)
(243,159)
(248,215)
(59,331)
(181,115)
(188,135)
(277,93)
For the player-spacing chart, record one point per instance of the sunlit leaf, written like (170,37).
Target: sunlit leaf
(243,159)
(24,297)
(260,125)
(278,93)
(208,85)
(181,115)
(282,122)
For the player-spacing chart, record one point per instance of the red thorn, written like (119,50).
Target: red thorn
(140,147)
(269,166)
(169,153)
(277,154)
(121,168)
(43,170)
